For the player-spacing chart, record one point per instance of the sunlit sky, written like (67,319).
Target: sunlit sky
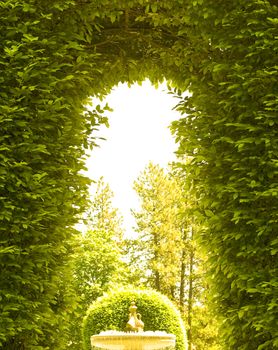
(138,133)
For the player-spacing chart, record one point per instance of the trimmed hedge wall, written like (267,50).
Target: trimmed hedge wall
(111,312)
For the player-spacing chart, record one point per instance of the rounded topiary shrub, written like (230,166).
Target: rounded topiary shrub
(110,312)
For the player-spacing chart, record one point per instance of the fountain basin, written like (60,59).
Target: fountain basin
(133,341)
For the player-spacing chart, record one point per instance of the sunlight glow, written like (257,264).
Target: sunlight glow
(138,134)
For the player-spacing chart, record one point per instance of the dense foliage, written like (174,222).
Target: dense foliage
(230,134)
(43,139)
(111,312)
(53,56)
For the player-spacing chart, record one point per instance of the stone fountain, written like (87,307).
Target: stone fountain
(134,338)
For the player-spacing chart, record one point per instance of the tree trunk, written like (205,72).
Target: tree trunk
(190,298)
(157,280)
(182,281)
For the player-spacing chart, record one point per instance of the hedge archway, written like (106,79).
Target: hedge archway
(53,56)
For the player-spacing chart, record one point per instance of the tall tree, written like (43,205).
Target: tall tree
(98,256)
(165,251)
(159,241)
(192,287)
(98,261)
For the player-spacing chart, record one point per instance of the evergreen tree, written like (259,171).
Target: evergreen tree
(98,256)
(158,245)
(165,254)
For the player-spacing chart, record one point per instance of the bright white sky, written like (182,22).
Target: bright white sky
(138,133)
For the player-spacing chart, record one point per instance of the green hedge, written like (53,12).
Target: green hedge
(111,312)
(230,135)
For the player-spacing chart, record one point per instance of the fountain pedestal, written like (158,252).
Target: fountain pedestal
(133,341)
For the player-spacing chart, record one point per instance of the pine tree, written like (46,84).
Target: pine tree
(158,246)
(98,256)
